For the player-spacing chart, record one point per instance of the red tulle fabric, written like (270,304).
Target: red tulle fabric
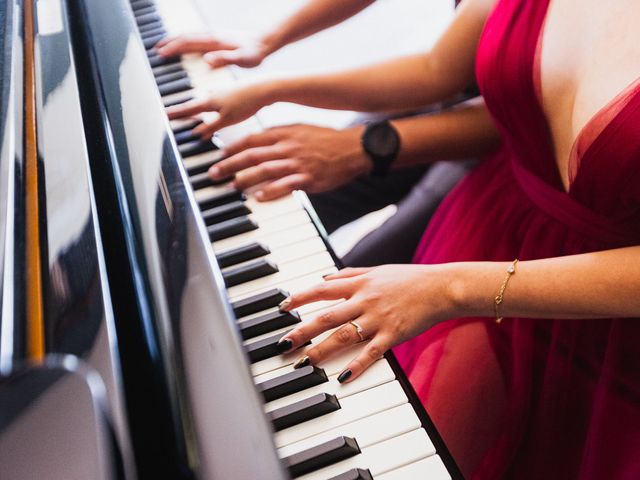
(536,398)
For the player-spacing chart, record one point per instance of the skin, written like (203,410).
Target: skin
(587,59)
(313,17)
(595,285)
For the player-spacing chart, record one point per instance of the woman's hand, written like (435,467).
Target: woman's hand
(217,52)
(296,157)
(232,107)
(391,304)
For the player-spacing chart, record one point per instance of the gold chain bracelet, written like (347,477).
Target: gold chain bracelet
(511,269)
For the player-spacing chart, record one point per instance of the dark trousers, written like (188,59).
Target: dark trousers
(417,192)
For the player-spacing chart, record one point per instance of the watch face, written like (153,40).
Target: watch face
(382,139)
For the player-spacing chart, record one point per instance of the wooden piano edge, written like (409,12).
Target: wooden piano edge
(425,420)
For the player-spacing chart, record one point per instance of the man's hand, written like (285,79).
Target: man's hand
(217,52)
(296,157)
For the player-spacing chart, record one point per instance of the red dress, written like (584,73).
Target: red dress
(535,398)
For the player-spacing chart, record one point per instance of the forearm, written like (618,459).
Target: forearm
(399,84)
(467,131)
(394,85)
(593,285)
(315,16)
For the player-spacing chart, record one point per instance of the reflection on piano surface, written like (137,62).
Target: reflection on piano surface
(162,286)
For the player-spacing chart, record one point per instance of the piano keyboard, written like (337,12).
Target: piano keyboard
(366,429)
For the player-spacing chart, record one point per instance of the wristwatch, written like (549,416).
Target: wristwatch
(381,143)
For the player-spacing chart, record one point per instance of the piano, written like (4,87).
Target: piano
(139,298)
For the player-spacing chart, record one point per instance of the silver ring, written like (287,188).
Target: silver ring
(359,330)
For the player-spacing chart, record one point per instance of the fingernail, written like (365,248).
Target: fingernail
(214,172)
(284,345)
(283,306)
(302,362)
(326,275)
(260,195)
(344,376)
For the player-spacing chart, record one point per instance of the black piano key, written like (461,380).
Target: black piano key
(231,228)
(164,69)
(201,180)
(157,60)
(171,77)
(150,41)
(227,212)
(187,127)
(292,382)
(174,87)
(354,474)
(242,253)
(177,101)
(322,455)
(265,348)
(138,12)
(135,4)
(269,322)
(195,148)
(153,33)
(227,196)
(148,18)
(304,410)
(186,136)
(150,26)
(258,302)
(250,271)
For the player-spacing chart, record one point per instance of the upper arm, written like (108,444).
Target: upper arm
(452,58)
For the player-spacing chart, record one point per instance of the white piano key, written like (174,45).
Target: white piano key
(367,431)
(297,284)
(292,252)
(382,457)
(274,208)
(295,229)
(204,194)
(378,374)
(179,123)
(174,97)
(205,158)
(353,408)
(288,271)
(430,468)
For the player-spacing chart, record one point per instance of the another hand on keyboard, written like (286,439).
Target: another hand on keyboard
(217,51)
(296,157)
(386,305)
(232,107)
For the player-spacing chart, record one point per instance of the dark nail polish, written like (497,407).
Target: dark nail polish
(284,345)
(283,306)
(302,362)
(344,376)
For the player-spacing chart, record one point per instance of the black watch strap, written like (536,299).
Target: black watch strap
(381,143)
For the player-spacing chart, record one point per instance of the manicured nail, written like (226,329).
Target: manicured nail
(284,345)
(302,362)
(344,376)
(283,306)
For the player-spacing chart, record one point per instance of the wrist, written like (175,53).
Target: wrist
(472,287)
(355,154)
(266,93)
(270,43)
